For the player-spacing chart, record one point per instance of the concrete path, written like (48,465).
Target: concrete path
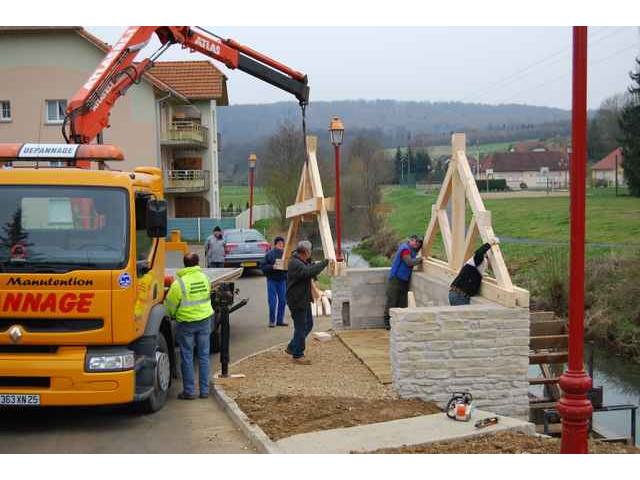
(409,431)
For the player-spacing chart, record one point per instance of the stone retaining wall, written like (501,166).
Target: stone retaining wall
(358,298)
(483,349)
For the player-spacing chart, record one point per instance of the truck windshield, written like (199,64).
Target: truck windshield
(58,229)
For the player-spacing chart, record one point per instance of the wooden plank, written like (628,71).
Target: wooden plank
(545,328)
(551,357)
(543,380)
(312,205)
(330,204)
(553,388)
(371,347)
(430,234)
(542,316)
(458,221)
(470,241)
(443,220)
(548,341)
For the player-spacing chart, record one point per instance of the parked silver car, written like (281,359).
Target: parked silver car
(244,248)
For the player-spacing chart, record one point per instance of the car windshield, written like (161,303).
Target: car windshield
(240,236)
(62,228)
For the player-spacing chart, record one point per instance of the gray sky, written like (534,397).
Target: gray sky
(530,65)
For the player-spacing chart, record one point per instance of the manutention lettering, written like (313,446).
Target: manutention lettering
(49,282)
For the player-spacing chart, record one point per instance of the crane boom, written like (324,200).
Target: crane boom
(89,109)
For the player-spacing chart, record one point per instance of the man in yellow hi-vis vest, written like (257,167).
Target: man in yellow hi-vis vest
(189,302)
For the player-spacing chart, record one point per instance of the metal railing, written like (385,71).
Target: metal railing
(177,181)
(186,132)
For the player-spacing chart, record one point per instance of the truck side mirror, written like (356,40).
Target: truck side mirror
(157,218)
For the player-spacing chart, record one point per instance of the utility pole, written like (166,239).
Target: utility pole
(616,173)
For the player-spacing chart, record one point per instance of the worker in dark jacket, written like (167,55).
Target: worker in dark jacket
(299,275)
(400,275)
(276,283)
(467,283)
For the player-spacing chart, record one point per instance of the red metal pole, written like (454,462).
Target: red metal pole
(251,197)
(574,407)
(338,210)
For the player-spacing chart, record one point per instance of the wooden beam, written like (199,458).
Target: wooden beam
(312,205)
(545,342)
(445,230)
(470,241)
(430,234)
(547,327)
(543,380)
(546,358)
(330,204)
(458,213)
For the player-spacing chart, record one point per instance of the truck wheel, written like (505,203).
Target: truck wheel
(161,378)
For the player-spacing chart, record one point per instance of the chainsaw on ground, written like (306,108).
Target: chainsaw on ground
(460,406)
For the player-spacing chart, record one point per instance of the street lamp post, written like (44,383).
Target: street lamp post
(336,131)
(252,168)
(574,406)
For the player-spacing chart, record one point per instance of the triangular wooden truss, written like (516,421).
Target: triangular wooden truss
(310,205)
(458,188)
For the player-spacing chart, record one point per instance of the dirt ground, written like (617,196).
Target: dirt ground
(283,416)
(335,391)
(334,372)
(507,442)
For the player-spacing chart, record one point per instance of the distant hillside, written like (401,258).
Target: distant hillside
(395,119)
(244,128)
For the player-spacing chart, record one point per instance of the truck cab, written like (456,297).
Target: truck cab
(81,279)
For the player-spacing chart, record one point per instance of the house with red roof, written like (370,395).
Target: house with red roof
(603,173)
(528,169)
(169,120)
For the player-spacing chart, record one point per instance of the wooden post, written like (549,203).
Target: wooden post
(458,209)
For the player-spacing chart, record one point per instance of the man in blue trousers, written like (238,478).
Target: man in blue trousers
(276,284)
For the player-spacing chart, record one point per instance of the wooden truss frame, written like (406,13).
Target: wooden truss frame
(458,188)
(310,205)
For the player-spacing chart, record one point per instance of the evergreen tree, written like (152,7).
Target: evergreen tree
(630,126)
(397,166)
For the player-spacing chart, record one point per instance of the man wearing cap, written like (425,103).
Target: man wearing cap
(189,302)
(400,275)
(276,284)
(214,249)
(299,275)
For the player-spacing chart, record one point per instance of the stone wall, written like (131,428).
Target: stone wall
(358,298)
(481,348)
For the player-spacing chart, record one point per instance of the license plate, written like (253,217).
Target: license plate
(21,399)
(249,264)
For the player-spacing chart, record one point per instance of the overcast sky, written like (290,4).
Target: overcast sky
(494,65)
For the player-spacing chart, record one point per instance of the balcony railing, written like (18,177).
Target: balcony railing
(183,181)
(186,132)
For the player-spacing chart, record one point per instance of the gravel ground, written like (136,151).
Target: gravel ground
(334,372)
(507,442)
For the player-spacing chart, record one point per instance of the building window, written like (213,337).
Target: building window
(5,111)
(56,110)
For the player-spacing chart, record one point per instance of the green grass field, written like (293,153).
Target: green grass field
(613,223)
(239,195)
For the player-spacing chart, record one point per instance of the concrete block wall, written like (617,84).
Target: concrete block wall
(358,298)
(483,349)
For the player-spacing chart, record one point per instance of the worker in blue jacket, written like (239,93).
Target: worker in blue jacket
(276,284)
(400,275)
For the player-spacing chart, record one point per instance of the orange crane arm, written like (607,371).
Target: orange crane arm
(89,109)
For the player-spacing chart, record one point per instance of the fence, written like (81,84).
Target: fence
(197,229)
(259,212)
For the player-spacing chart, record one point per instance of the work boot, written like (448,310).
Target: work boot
(184,396)
(302,361)
(204,395)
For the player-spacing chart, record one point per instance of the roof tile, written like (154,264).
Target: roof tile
(197,79)
(609,162)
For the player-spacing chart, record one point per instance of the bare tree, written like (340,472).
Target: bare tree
(280,166)
(366,170)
